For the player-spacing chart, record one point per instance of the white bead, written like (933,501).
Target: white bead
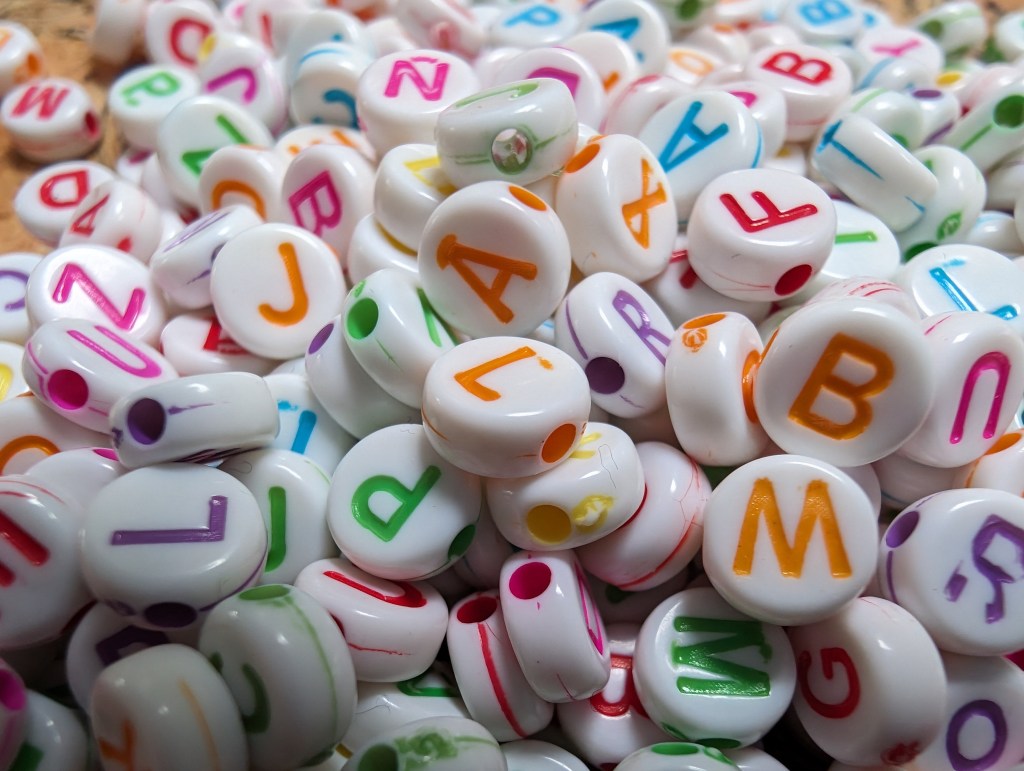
(195,344)
(21,56)
(776,228)
(324,25)
(685,756)
(15,269)
(489,676)
(846,668)
(398,510)
(505,406)
(408,188)
(400,95)
(143,705)
(806,577)
(709,382)
(274,286)
(55,738)
(51,119)
(289,671)
(322,87)
(142,97)
(534,755)
(116,214)
(494,259)
(118,28)
(536,24)
(372,248)
(394,629)
(578,75)
(518,132)
(237,67)
(575,503)
(835,21)
(634,104)
(175,31)
(751,759)
(678,672)
(45,201)
(444,743)
(639,24)
(441,24)
(997,469)
(555,628)
(810,399)
(616,204)
(31,431)
(40,565)
(306,427)
(250,176)
(937,560)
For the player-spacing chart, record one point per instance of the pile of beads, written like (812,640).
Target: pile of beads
(430,376)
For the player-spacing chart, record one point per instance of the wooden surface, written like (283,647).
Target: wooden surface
(62,27)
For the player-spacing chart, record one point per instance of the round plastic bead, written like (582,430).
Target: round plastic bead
(438,743)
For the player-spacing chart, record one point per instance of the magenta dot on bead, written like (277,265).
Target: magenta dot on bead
(68,390)
(902,528)
(321,337)
(12,692)
(146,421)
(103,452)
(170,615)
(793,279)
(530,580)
(477,610)
(605,375)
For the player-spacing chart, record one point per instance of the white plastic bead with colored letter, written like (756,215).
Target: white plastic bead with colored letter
(291,491)
(961,277)
(874,171)
(441,25)
(620,337)
(325,189)
(116,214)
(999,468)
(555,627)
(616,204)
(12,382)
(848,667)
(45,201)
(637,101)
(394,332)
(143,705)
(54,737)
(289,671)
(335,376)
(394,629)
(80,369)
(812,80)
(143,96)
(949,559)
(146,532)
(517,132)
(200,419)
(811,401)
(21,56)
(397,509)
(195,129)
(384,706)
(578,75)
(51,119)
(505,406)
(680,756)
(664,534)
(322,85)
(98,284)
(970,411)
(409,186)
(274,286)
(699,137)
(777,229)
(196,344)
(31,431)
(494,259)
(709,383)
(530,754)
(400,95)
(677,670)
(490,678)
(437,743)
(237,174)
(325,25)
(751,759)
(612,723)
(181,266)
(40,565)
(820,530)
(239,68)
(589,496)
(768,107)
(175,31)
(78,474)
(306,427)
(536,24)
(985,700)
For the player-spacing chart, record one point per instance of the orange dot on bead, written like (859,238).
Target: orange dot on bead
(558,443)
(527,198)
(583,157)
(1004,443)
(704,321)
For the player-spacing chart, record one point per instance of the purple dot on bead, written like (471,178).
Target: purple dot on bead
(927,93)
(321,338)
(146,421)
(173,615)
(902,528)
(605,375)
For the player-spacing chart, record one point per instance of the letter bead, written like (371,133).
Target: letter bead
(815,551)
(953,560)
(46,200)
(51,119)
(15,269)
(705,670)
(505,406)
(437,743)
(196,344)
(143,97)
(21,56)
(116,214)
(433,506)
(682,756)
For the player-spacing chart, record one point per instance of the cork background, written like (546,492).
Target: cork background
(63,26)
